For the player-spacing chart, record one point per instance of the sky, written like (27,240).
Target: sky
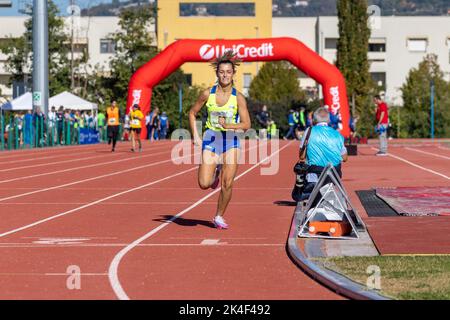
(62,4)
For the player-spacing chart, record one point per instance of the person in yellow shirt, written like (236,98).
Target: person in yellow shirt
(136,117)
(227,112)
(113,116)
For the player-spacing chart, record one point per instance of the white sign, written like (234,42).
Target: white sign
(37,98)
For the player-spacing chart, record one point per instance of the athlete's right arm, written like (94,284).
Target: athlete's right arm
(193,115)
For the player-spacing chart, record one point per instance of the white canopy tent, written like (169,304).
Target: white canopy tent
(23,102)
(70,101)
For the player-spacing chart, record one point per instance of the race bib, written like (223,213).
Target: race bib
(112,121)
(135,122)
(215,115)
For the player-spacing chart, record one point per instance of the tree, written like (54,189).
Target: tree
(277,86)
(133,48)
(352,61)
(20,54)
(416,93)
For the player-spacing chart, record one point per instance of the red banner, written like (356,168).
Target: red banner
(264,49)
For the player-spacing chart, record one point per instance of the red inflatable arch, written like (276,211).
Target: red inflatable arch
(263,49)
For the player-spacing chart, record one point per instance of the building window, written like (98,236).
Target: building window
(380,79)
(189,78)
(377,47)
(247,80)
(417,45)
(331,43)
(80,48)
(107,46)
(448,45)
(220,9)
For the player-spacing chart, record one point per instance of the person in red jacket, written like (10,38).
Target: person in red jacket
(382,117)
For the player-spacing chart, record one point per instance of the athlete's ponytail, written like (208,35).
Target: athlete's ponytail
(228,57)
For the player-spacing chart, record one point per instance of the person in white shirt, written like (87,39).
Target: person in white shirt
(52,124)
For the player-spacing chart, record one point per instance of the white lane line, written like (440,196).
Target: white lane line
(82,167)
(200,245)
(86,180)
(92,204)
(53,152)
(429,153)
(51,163)
(64,161)
(256,203)
(50,274)
(150,188)
(209,242)
(114,266)
(42,158)
(416,165)
(47,154)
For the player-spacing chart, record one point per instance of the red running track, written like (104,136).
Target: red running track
(422,165)
(90,213)
(108,215)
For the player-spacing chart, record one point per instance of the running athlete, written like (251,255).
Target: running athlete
(227,112)
(113,116)
(135,123)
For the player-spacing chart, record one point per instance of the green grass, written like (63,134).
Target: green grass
(402,277)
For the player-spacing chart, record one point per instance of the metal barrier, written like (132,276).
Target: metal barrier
(32,131)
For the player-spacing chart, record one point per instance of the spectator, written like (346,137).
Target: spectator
(309,119)
(60,124)
(52,125)
(353,128)
(382,118)
(28,128)
(334,120)
(323,146)
(126,128)
(272,130)
(18,119)
(148,124)
(301,123)
(101,121)
(163,125)
(152,129)
(39,126)
(291,122)
(155,125)
(90,120)
(6,133)
(262,118)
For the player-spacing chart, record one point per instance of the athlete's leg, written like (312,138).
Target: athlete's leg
(207,169)
(138,137)
(229,169)
(133,143)
(115,133)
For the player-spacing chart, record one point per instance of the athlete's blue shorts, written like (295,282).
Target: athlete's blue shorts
(220,141)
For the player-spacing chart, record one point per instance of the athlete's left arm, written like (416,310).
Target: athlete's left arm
(244,116)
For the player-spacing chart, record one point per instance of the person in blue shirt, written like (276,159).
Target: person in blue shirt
(28,128)
(325,144)
(163,125)
(291,122)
